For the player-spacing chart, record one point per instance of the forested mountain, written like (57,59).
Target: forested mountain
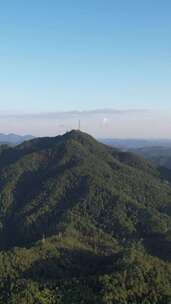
(81,222)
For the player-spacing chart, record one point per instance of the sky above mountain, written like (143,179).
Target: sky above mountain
(64,56)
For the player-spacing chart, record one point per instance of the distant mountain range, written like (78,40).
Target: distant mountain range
(82,222)
(156,151)
(127,144)
(14,139)
(159,156)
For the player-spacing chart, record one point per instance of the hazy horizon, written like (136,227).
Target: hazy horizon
(101,123)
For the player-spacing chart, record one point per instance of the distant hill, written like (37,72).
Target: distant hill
(13,139)
(127,144)
(81,222)
(160,156)
(158,152)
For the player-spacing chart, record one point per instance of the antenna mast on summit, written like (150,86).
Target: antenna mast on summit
(79,124)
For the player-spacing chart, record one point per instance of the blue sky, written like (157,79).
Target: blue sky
(82,55)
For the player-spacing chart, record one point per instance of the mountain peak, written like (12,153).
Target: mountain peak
(78,135)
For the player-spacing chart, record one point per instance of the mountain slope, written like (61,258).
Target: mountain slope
(86,214)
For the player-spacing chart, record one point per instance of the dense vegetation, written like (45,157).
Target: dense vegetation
(82,223)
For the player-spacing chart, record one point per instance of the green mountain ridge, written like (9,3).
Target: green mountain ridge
(81,222)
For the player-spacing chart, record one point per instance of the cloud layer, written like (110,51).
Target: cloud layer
(139,123)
